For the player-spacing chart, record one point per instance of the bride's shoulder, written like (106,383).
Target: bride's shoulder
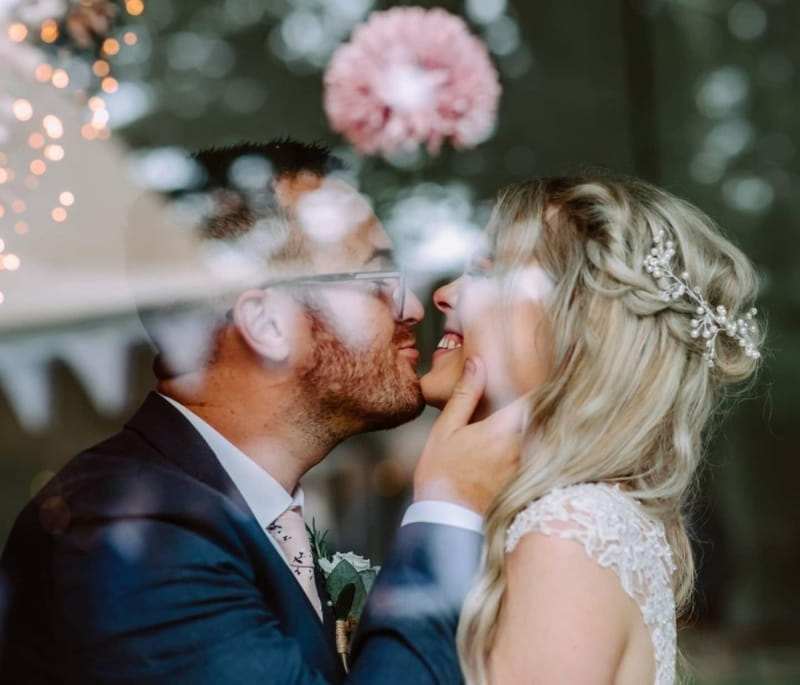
(596,514)
(587,550)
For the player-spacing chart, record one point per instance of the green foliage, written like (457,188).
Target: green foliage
(347,589)
(319,546)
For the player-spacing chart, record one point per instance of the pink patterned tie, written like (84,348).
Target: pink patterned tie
(289,531)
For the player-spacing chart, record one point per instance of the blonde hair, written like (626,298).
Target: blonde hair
(628,396)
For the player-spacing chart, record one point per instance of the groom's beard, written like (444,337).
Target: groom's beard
(364,390)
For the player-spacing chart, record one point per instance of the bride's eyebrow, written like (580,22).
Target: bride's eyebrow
(480,255)
(482,258)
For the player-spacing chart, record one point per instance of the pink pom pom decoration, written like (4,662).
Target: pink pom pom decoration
(411,76)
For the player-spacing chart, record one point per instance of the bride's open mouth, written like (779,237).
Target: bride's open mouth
(449,342)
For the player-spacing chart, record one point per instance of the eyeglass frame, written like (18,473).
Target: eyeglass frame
(345,276)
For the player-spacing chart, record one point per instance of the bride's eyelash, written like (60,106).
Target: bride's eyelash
(477,270)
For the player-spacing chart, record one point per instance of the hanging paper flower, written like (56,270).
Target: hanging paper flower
(411,76)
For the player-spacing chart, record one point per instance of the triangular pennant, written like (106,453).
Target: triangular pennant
(27,386)
(100,360)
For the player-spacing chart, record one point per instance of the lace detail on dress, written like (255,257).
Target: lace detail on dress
(617,533)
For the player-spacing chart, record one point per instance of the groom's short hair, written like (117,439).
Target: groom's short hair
(236,208)
(286,156)
(243,214)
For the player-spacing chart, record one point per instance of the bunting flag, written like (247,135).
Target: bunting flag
(100,360)
(97,354)
(26,384)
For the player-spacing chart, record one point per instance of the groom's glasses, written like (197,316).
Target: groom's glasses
(389,284)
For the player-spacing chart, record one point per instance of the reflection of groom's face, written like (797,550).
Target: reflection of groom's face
(363,367)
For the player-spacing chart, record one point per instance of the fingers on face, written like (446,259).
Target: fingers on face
(466,395)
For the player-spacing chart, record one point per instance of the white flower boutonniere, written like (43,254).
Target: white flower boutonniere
(358,562)
(348,579)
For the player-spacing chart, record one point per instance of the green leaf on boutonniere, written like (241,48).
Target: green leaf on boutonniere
(352,600)
(368,578)
(341,609)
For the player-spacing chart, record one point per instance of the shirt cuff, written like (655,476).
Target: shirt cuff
(444,513)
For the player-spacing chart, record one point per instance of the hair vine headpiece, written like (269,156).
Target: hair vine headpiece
(710,320)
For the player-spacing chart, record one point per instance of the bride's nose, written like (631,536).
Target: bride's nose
(446,297)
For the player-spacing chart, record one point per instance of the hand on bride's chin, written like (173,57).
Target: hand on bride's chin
(485,406)
(469,464)
(482,410)
(492,402)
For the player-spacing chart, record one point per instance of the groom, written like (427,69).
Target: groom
(174,551)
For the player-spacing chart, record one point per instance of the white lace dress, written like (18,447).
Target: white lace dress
(617,533)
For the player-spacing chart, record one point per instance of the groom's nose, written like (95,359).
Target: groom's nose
(413,311)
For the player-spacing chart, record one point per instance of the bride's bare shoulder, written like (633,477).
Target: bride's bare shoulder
(565,616)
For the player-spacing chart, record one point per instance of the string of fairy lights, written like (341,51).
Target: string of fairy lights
(76,31)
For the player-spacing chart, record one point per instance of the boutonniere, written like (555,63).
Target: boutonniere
(348,579)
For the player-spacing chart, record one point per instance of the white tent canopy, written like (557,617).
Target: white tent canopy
(72,295)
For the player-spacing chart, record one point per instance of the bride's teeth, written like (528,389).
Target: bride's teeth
(447,343)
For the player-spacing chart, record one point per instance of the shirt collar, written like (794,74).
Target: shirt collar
(265,496)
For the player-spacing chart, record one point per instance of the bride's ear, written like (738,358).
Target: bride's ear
(266,321)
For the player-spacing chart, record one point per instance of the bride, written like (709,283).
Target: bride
(621,314)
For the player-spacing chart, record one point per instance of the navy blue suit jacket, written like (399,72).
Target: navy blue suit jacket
(140,563)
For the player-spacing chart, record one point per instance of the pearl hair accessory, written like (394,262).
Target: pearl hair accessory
(710,320)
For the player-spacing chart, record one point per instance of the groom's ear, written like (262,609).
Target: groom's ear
(266,320)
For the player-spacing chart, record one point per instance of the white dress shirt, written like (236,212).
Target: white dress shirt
(268,499)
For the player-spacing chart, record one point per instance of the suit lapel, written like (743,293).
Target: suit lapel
(173,436)
(163,426)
